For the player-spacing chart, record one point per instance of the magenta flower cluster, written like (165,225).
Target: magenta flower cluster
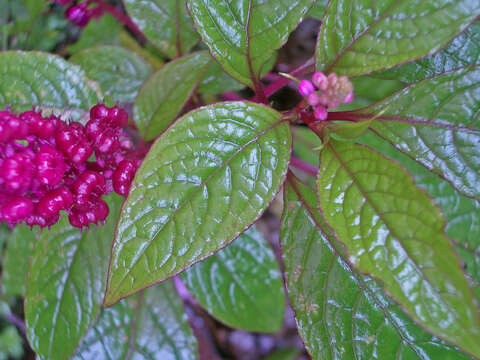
(48,165)
(81,13)
(326,92)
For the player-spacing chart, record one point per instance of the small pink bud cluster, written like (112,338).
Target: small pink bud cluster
(45,166)
(81,13)
(326,92)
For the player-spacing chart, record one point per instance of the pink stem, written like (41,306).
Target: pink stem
(124,19)
(304,166)
(280,83)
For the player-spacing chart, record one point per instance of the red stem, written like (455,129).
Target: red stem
(304,166)
(280,83)
(124,19)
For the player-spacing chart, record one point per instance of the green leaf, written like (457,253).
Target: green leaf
(164,94)
(394,232)
(436,123)
(38,79)
(462,214)
(204,181)
(20,247)
(358,37)
(10,343)
(241,285)
(305,141)
(66,283)
(216,81)
(463,51)
(151,325)
(340,313)
(284,354)
(243,35)
(166,23)
(103,31)
(119,72)
(348,130)
(318,9)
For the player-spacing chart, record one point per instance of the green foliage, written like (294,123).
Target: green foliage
(241,285)
(381,257)
(21,244)
(243,36)
(150,325)
(382,34)
(166,92)
(218,166)
(418,120)
(340,313)
(39,79)
(393,231)
(166,23)
(119,72)
(65,284)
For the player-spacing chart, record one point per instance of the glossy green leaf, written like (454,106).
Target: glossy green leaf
(436,123)
(216,80)
(348,130)
(151,325)
(244,35)
(462,214)
(318,9)
(394,232)
(284,354)
(119,72)
(340,313)
(204,181)
(305,141)
(241,285)
(166,23)
(38,79)
(463,51)
(164,94)
(103,31)
(361,36)
(21,243)
(66,283)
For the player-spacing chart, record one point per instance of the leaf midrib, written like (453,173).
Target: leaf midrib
(360,281)
(190,196)
(367,199)
(364,32)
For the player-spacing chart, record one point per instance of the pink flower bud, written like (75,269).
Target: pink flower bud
(349,98)
(320,113)
(320,80)
(314,99)
(305,88)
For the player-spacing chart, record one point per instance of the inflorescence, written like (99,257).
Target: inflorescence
(48,165)
(326,92)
